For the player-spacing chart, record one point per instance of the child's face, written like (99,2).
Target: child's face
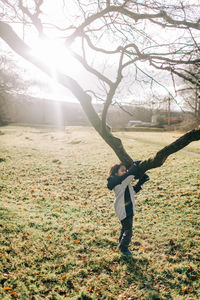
(122,170)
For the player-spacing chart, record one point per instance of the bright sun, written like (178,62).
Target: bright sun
(56,56)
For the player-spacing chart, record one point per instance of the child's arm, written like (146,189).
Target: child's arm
(141,181)
(124,180)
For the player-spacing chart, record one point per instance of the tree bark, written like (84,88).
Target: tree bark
(11,38)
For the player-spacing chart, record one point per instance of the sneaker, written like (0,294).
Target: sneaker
(127,253)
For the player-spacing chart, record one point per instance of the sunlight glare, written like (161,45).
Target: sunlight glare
(56,56)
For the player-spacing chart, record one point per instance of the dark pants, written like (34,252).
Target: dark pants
(126,233)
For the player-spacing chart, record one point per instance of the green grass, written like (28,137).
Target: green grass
(58,230)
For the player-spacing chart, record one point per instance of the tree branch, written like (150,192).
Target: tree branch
(91,70)
(163,154)
(135,16)
(112,90)
(35,16)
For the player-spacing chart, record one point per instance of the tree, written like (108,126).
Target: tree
(11,79)
(15,81)
(132,28)
(191,91)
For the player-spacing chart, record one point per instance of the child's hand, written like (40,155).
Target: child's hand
(143,179)
(136,162)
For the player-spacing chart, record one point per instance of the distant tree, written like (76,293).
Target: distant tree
(190,92)
(15,79)
(11,79)
(162,34)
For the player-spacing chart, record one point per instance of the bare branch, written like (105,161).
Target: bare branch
(135,16)
(34,17)
(123,109)
(163,154)
(112,90)
(170,69)
(101,49)
(91,70)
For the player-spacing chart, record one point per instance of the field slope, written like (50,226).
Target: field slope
(58,230)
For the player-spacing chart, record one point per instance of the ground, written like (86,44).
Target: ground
(58,228)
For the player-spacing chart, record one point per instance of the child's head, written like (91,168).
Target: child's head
(118,170)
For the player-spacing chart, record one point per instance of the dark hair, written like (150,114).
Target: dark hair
(114,169)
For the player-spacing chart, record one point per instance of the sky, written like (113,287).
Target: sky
(54,53)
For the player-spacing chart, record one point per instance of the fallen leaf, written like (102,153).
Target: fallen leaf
(25,235)
(14,293)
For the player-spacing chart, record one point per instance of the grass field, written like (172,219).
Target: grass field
(58,230)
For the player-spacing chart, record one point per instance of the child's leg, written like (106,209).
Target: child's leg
(121,234)
(127,229)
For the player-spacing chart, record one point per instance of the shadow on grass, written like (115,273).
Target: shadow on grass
(137,272)
(158,284)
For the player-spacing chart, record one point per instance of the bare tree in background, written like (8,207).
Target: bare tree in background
(13,78)
(130,33)
(191,91)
